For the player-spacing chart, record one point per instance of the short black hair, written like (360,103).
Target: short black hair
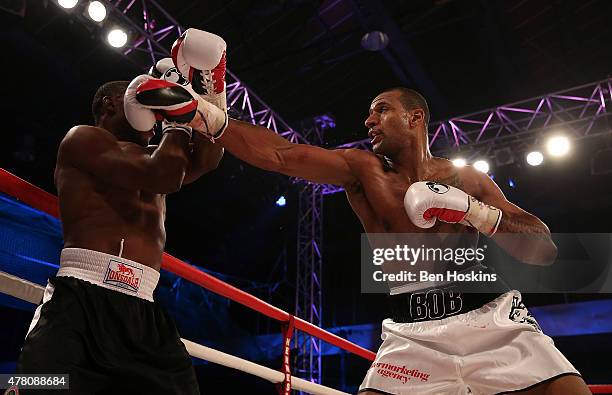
(111,88)
(411,99)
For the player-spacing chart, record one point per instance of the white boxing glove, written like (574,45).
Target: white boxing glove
(140,117)
(201,58)
(427,201)
(213,120)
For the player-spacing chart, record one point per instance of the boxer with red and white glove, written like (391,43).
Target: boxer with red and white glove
(200,58)
(427,201)
(148,100)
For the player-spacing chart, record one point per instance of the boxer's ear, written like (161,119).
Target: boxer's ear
(417,115)
(108,104)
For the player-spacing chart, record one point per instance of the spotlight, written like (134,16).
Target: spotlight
(535,158)
(96,11)
(511,183)
(375,41)
(67,3)
(117,38)
(281,201)
(459,162)
(481,165)
(558,145)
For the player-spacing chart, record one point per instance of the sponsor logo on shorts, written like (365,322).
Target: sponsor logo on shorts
(434,304)
(401,373)
(123,275)
(520,314)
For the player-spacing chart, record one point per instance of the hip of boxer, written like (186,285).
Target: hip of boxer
(109,271)
(98,323)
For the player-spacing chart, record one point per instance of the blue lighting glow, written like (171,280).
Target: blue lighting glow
(511,183)
(281,201)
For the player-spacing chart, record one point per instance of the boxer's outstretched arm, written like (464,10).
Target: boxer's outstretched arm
(265,149)
(520,234)
(97,152)
(205,157)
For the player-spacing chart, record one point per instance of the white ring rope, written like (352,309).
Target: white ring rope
(230,361)
(33,293)
(20,288)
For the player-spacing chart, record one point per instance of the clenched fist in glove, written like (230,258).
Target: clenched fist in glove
(149,99)
(426,201)
(200,58)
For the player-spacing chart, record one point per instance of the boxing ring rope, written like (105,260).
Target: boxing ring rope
(33,293)
(25,290)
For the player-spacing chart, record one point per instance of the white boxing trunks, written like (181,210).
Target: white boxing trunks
(496,348)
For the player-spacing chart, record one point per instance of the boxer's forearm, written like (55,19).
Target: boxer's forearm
(527,239)
(169,161)
(205,157)
(255,145)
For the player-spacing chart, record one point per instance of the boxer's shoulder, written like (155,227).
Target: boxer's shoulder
(86,133)
(358,158)
(82,142)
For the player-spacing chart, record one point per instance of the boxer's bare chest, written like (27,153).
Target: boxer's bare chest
(84,197)
(378,197)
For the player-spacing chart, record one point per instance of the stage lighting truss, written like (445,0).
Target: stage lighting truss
(580,111)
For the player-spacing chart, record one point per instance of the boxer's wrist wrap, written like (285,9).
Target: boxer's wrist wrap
(169,126)
(483,217)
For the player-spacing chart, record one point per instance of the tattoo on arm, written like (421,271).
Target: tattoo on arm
(511,225)
(453,180)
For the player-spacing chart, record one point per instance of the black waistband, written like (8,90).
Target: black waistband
(435,304)
(446,300)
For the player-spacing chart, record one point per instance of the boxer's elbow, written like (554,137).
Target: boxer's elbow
(544,253)
(549,254)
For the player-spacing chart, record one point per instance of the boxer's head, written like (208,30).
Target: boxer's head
(398,118)
(107,110)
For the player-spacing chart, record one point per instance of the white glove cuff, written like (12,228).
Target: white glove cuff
(168,126)
(483,217)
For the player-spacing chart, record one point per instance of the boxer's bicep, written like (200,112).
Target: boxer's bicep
(316,164)
(98,153)
(514,218)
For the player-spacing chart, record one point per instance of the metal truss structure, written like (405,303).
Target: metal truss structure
(309,288)
(578,113)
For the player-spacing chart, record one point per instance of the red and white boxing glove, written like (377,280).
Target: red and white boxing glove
(176,104)
(427,201)
(148,100)
(200,57)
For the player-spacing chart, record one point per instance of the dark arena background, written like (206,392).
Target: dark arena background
(501,78)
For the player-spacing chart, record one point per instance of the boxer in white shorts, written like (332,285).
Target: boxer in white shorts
(496,348)
(441,198)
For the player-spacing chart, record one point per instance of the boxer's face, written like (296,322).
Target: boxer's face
(387,123)
(124,129)
(390,126)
